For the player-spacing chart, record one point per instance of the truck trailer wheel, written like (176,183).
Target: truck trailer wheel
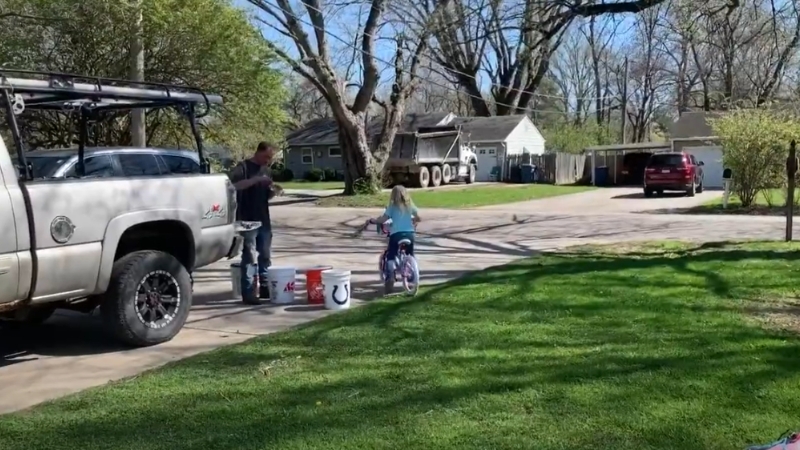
(148,298)
(424,177)
(436,176)
(471,173)
(447,174)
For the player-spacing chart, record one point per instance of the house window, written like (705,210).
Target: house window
(482,151)
(491,151)
(334,152)
(307,156)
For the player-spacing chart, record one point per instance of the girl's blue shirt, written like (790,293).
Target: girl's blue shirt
(402,220)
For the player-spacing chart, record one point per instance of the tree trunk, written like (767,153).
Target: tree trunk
(359,167)
(362,170)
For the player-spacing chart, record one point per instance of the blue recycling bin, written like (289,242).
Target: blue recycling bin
(601,176)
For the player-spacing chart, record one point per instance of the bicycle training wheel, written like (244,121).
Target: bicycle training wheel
(410,275)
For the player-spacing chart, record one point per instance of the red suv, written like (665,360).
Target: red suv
(673,172)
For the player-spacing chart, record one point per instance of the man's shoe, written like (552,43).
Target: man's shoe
(263,292)
(251,299)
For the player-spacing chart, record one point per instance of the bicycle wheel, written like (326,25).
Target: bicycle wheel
(410,272)
(382,266)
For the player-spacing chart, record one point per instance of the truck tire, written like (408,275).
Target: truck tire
(424,177)
(140,319)
(436,176)
(447,174)
(471,173)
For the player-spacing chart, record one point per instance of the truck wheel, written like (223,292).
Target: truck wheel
(148,298)
(436,176)
(471,173)
(447,174)
(424,177)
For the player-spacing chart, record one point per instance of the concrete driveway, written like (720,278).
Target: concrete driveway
(610,201)
(69,353)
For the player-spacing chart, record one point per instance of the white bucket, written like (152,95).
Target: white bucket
(281,284)
(236,280)
(336,285)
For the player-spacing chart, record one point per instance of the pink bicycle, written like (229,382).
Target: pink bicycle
(788,441)
(406,268)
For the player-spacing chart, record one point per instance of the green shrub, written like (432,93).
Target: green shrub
(329,174)
(314,175)
(367,186)
(282,175)
(755,144)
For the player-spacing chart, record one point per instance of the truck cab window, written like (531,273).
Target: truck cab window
(138,164)
(94,166)
(180,164)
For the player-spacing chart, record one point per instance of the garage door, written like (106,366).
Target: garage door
(487,159)
(712,164)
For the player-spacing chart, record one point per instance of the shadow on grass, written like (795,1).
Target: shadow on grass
(646,349)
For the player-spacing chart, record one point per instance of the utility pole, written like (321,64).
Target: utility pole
(138,132)
(791,172)
(624,108)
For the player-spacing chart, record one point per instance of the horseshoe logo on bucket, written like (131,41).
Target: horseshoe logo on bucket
(346,295)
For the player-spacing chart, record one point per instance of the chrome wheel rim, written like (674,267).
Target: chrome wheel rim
(157,299)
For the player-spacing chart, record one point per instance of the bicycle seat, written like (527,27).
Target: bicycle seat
(404,242)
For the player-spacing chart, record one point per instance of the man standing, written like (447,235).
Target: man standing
(254,189)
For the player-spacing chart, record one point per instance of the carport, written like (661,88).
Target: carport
(606,151)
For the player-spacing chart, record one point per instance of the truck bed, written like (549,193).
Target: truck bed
(425,147)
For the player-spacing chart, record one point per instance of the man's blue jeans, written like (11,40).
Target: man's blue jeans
(258,241)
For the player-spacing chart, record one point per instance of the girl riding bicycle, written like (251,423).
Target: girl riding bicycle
(404,216)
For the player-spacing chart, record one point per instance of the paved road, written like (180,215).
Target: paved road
(610,200)
(69,353)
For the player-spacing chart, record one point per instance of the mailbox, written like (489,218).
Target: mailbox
(727,174)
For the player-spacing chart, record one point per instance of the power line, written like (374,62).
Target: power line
(450,88)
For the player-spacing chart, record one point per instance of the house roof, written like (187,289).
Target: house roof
(326,132)
(486,129)
(693,124)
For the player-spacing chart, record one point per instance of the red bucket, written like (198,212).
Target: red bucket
(316,295)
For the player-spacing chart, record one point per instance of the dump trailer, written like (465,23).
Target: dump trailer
(431,157)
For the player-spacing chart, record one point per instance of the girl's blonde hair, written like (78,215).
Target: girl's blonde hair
(401,198)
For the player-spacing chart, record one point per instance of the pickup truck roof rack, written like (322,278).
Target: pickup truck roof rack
(37,90)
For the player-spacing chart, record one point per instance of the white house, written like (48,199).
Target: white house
(692,134)
(497,137)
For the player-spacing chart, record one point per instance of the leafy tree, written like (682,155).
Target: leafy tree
(755,144)
(570,138)
(209,44)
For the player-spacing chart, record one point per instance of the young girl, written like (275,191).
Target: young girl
(404,216)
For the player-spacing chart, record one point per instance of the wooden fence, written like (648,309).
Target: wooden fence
(553,168)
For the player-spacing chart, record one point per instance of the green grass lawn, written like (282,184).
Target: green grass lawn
(459,197)
(769,203)
(663,347)
(313,185)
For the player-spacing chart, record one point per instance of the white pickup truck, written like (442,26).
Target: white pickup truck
(127,245)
